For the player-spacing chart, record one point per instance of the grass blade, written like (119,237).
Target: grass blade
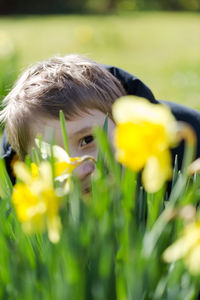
(64,131)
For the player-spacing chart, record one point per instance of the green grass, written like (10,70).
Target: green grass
(111,241)
(160,48)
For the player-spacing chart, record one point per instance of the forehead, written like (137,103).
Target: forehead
(78,125)
(85,122)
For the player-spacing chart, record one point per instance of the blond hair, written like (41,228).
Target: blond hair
(71,83)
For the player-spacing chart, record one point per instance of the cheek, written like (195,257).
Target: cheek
(75,151)
(111,127)
(93,152)
(84,170)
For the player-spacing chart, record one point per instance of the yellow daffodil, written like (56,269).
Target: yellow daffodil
(36,201)
(64,164)
(35,198)
(142,138)
(156,171)
(186,248)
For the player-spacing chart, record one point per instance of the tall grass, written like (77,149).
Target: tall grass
(112,239)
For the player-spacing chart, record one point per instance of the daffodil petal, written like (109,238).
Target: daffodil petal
(54,227)
(63,177)
(176,251)
(40,208)
(131,145)
(192,260)
(187,247)
(23,199)
(157,171)
(137,109)
(60,154)
(44,147)
(46,174)
(68,186)
(22,172)
(34,170)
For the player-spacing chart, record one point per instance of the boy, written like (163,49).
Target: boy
(85,91)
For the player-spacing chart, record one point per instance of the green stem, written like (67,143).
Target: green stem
(64,131)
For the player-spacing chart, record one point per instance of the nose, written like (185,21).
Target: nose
(84,170)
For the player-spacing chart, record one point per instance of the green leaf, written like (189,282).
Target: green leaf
(64,131)
(5,182)
(107,152)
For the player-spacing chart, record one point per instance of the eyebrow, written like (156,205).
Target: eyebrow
(82,131)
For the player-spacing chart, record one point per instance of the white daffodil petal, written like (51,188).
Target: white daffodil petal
(44,147)
(176,251)
(68,186)
(54,227)
(60,154)
(46,174)
(22,172)
(157,171)
(62,177)
(192,260)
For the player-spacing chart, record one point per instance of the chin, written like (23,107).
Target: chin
(86,186)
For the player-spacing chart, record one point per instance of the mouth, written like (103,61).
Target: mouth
(86,187)
(87,190)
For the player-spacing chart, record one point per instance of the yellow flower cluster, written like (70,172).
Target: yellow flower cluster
(143,136)
(34,197)
(186,248)
(35,200)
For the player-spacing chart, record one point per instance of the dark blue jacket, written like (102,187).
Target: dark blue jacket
(133,86)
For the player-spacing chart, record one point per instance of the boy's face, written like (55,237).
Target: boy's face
(80,138)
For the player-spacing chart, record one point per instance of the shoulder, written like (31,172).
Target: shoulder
(188,115)
(8,154)
(185,114)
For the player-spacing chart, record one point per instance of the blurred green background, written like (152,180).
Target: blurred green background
(157,40)
(161,48)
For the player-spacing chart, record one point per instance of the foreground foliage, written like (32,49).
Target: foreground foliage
(114,243)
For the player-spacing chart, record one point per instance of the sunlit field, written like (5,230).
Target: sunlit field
(160,48)
(133,232)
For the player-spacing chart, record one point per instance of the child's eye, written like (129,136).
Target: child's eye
(87,140)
